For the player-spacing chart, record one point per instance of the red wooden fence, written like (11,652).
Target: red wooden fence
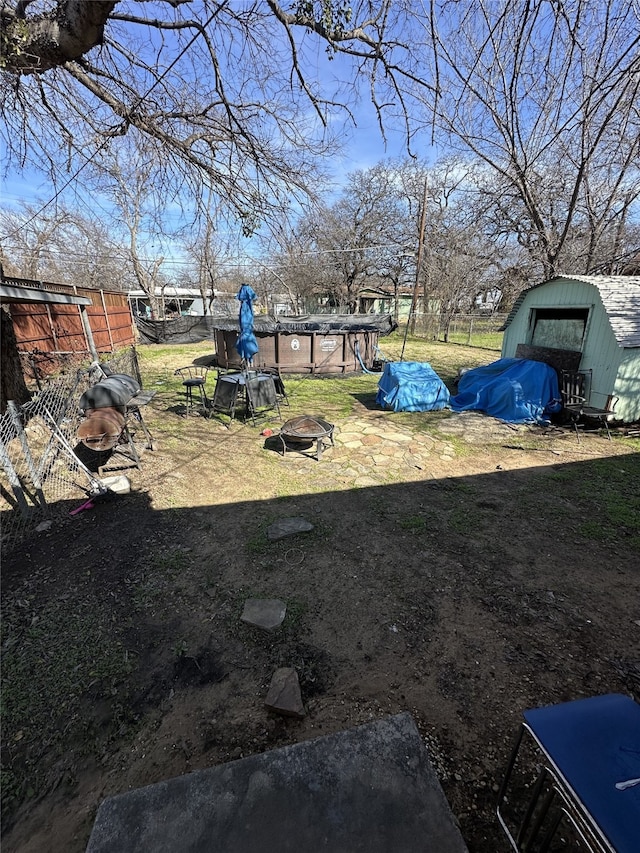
(55,328)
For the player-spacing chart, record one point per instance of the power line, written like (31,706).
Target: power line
(243,261)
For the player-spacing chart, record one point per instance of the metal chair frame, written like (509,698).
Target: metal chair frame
(194,378)
(584,751)
(576,392)
(225,396)
(249,389)
(549,789)
(278,381)
(260,397)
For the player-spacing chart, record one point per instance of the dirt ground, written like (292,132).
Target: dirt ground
(498,573)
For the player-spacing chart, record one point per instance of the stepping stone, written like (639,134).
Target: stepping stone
(369,788)
(365,482)
(265,613)
(284,695)
(288,527)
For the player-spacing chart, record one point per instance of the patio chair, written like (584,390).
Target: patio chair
(226,393)
(576,393)
(586,796)
(261,395)
(278,381)
(194,378)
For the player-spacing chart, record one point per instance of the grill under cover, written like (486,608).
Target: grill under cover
(113,391)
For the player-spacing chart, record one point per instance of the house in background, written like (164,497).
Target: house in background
(182,301)
(594,318)
(386,300)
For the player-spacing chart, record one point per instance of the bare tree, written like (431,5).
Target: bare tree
(358,238)
(12,384)
(208,250)
(139,208)
(229,94)
(287,270)
(61,246)
(546,95)
(29,252)
(232,98)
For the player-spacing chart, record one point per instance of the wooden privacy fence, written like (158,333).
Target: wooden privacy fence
(51,329)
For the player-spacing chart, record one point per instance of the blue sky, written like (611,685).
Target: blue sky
(363,149)
(333,73)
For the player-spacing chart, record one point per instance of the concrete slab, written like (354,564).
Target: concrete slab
(369,789)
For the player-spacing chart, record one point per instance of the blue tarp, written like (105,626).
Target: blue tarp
(516,390)
(411,386)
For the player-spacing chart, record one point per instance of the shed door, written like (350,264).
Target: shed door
(559,328)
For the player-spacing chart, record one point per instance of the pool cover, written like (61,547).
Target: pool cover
(516,390)
(411,386)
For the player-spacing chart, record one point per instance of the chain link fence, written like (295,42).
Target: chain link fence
(41,462)
(458,328)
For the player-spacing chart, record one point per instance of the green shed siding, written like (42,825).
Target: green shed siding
(572,294)
(615,369)
(627,386)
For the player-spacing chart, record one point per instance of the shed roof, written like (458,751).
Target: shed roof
(620,295)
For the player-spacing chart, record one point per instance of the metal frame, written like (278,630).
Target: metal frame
(297,438)
(550,786)
(576,393)
(246,387)
(586,755)
(194,377)
(132,412)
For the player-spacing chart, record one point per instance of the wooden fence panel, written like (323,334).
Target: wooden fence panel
(67,328)
(58,328)
(121,324)
(32,326)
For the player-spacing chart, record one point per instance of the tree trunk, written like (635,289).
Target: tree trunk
(42,42)
(13,386)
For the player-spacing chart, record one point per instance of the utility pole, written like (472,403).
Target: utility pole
(411,321)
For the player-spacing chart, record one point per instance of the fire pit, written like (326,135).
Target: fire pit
(299,433)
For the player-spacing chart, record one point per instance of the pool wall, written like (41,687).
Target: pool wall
(303,351)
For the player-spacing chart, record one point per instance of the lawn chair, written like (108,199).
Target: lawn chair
(587,792)
(576,392)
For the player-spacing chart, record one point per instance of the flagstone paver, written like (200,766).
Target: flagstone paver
(376,450)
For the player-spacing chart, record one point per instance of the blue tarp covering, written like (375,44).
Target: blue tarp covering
(516,390)
(411,386)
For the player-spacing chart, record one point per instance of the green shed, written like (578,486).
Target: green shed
(591,320)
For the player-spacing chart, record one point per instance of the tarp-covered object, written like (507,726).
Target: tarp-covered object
(186,330)
(516,390)
(411,386)
(326,324)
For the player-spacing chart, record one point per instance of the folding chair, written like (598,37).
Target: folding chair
(225,395)
(587,791)
(260,395)
(278,381)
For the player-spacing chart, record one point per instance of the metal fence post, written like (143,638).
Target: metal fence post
(14,481)
(16,419)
